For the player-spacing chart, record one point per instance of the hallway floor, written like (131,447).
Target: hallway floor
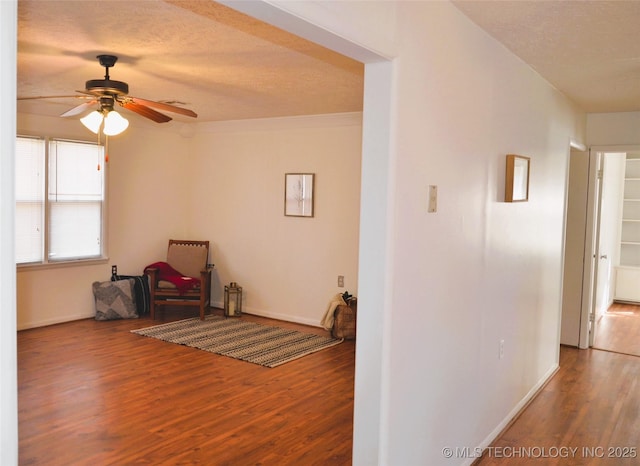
(619,330)
(589,411)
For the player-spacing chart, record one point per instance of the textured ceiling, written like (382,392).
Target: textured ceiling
(209,58)
(225,65)
(589,50)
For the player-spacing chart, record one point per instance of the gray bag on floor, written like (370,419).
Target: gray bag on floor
(115,300)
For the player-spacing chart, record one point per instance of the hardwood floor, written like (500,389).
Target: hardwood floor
(619,330)
(92,393)
(589,412)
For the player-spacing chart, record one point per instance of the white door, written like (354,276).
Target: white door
(589,272)
(579,278)
(609,205)
(597,255)
(574,248)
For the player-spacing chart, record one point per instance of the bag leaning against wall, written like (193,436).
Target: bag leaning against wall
(344,320)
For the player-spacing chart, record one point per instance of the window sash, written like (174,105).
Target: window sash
(30,204)
(75,230)
(71,215)
(29,232)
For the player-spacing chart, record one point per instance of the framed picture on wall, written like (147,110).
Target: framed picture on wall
(298,194)
(517,179)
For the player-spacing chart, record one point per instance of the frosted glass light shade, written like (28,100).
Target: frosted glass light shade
(114,123)
(92,121)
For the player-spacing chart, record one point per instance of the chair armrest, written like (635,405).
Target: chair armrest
(207,269)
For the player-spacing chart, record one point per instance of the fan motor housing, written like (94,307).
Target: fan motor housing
(107,86)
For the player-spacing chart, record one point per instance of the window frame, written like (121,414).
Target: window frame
(46,262)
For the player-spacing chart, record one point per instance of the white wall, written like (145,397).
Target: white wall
(143,169)
(8,349)
(613,129)
(225,185)
(477,271)
(288,266)
(480,270)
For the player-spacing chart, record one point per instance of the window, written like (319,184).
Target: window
(29,199)
(68,226)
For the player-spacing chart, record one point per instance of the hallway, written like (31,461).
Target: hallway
(589,412)
(618,330)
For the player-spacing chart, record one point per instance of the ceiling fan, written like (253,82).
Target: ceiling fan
(108,92)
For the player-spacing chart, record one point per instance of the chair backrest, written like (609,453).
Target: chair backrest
(188,257)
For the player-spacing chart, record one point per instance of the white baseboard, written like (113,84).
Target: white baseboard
(252,311)
(59,320)
(274,315)
(514,413)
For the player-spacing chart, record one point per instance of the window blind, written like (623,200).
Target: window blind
(29,191)
(76,198)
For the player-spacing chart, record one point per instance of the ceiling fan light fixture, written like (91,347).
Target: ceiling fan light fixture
(114,123)
(92,121)
(107,93)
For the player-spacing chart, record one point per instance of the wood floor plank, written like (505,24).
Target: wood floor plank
(618,329)
(589,410)
(92,393)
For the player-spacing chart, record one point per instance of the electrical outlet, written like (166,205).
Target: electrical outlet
(341,281)
(501,350)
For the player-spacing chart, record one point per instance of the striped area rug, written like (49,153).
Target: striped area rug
(233,337)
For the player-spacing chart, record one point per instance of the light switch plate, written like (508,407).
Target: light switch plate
(433,199)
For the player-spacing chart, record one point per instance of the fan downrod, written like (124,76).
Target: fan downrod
(107,86)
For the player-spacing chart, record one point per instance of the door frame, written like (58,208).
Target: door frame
(588,320)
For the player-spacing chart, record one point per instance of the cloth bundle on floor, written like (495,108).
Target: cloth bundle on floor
(327,321)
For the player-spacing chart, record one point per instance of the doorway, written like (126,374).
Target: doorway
(595,191)
(619,328)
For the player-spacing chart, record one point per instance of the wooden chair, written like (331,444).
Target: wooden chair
(190,258)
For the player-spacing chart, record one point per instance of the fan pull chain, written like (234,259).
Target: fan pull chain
(106,149)
(98,134)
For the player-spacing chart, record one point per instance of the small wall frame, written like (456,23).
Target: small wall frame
(517,178)
(298,194)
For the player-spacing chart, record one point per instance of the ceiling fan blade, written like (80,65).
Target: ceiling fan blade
(52,97)
(145,111)
(88,93)
(79,109)
(163,106)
